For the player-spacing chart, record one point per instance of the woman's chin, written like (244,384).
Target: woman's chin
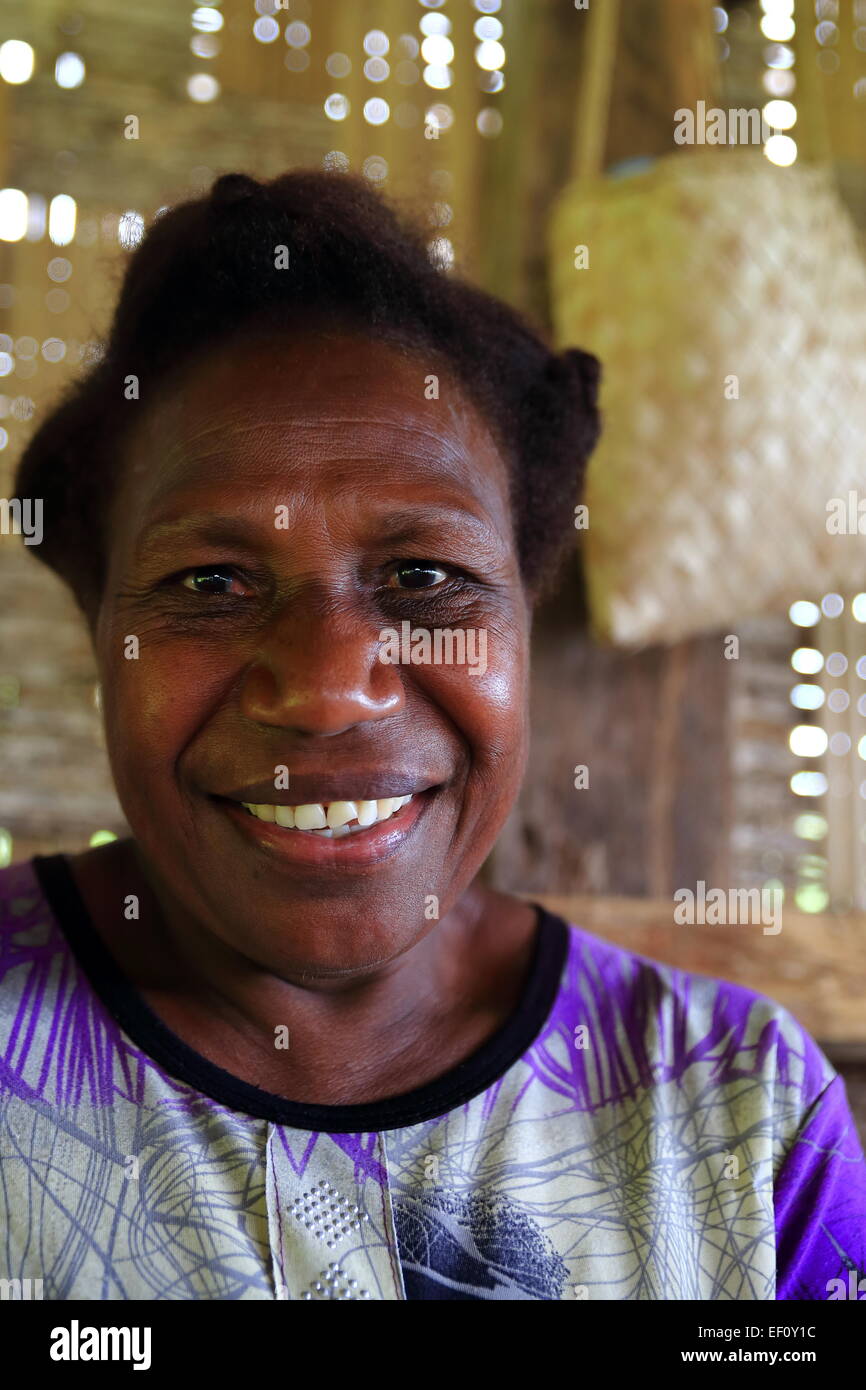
(313,942)
(305,903)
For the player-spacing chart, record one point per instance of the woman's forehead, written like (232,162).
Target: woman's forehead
(297,369)
(304,418)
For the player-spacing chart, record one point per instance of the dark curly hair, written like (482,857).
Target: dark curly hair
(206,271)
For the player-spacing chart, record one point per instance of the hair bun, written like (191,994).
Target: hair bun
(234,188)
(589,370)
(563,368)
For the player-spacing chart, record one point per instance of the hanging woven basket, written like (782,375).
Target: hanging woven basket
(726,299)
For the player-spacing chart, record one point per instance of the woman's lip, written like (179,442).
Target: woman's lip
(370,846)
(326,787)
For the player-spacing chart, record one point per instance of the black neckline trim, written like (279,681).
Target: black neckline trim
(457,1086)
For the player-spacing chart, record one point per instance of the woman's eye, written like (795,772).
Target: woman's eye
(212,579)
(419,574)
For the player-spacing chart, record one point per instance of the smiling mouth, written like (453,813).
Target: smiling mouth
(328,819)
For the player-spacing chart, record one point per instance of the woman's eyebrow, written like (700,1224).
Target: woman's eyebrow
(405,525)
(392,527)
(213,530)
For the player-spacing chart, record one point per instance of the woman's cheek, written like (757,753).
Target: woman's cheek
(486,699)
(154,697)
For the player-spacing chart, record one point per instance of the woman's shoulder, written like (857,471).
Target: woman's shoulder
(654,1020)
(30,938)
(26,918)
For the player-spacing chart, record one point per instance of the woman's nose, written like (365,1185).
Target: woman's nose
(319,673)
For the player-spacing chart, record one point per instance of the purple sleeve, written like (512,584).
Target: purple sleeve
(820,1202)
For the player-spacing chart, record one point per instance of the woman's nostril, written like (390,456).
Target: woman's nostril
(327,702)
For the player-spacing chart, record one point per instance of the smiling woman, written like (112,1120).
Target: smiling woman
(285,1018)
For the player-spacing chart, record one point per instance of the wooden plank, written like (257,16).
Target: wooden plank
(652,729)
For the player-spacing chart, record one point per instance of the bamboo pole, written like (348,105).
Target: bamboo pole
(590,131)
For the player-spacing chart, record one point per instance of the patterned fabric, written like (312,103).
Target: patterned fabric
(665,1136)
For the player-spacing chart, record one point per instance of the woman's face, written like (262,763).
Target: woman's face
(283,504)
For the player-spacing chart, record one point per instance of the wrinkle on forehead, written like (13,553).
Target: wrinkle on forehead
(299,433)
(266,453)
(340,436)
(227,419)
(300,384)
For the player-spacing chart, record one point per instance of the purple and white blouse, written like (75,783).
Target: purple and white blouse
(634,1132)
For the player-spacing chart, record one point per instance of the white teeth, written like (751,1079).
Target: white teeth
(340,813)
(333,819)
